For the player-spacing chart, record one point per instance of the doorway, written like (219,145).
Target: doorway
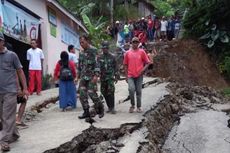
(20,49)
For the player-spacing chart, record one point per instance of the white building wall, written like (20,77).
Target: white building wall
(52,46)
(39,8)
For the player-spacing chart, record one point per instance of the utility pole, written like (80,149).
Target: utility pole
(111,10)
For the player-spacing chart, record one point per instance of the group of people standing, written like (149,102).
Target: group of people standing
(87,70)
(150,28)
(93,66)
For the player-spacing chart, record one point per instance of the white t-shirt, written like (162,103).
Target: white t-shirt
(164,25)
(73,57)
(35,56)
(177,26)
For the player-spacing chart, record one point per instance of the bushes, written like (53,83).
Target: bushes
(46,81)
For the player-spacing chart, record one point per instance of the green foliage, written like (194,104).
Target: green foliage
(46,81)
(214,36)
(226,92)
(88,11)
(121,13)
(163,8)
(171,7)
(96,31)
(92,8)
(224,66)
(209,21)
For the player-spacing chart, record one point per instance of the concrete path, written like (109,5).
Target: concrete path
(202,132)
(53,127)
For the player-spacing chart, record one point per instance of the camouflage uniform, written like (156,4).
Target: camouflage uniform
(87,69)
(108,74)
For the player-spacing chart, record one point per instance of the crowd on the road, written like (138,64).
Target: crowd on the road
(150,28)
(85,71)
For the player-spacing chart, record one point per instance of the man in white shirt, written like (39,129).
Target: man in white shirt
(164,25)
(35,57)
(72,55)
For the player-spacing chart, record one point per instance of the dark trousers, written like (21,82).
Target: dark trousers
(107,90)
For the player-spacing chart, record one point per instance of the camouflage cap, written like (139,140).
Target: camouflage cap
(105,44)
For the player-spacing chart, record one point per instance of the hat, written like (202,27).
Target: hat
(105,44)
(117,22)
(135,39)
(1,36)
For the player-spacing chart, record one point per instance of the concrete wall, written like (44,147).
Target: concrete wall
(52,46)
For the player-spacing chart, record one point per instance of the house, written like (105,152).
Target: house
(45,20)
(145,7)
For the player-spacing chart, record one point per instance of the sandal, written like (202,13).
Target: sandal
(22,124)
(139,110)
(5,147)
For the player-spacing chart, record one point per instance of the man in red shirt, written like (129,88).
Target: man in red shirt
(150,28)
(136,62)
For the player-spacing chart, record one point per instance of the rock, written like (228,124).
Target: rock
(221,107)
(119,145)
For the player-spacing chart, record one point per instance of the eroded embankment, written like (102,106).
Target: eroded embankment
(149,135)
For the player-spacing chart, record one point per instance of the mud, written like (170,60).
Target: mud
(187,62)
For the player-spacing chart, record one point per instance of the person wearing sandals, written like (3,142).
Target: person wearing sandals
(21,100)
(136,62)
(9,67)
(65,71)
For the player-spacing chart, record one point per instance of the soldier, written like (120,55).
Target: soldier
(109,75)
(88,72)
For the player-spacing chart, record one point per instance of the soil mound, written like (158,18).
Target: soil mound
(186,62)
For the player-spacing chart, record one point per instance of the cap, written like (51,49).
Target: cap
(105,44)
(1,36)
(117,22)
(135,39)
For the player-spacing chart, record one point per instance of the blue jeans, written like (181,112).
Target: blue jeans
(150,34)
(135,85)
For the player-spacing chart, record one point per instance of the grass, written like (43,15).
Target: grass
(226,92)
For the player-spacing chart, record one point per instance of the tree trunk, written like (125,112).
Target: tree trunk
(111,10)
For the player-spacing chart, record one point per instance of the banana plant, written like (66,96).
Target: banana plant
(214,36)
(96,31)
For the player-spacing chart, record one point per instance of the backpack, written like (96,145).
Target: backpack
(66,74)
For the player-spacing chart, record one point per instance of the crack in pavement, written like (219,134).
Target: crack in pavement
(186,148)
(227,140)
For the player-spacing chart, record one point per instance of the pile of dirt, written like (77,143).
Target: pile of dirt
(187,62)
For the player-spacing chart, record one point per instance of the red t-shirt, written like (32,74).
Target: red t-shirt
(135,60)
(150,23)
(58,68)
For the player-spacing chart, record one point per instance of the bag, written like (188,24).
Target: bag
(66,74)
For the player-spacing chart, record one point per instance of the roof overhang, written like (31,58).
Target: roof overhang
(63,10)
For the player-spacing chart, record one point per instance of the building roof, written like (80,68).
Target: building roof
(67,13)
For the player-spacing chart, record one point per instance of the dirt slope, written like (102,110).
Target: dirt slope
(186,61)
